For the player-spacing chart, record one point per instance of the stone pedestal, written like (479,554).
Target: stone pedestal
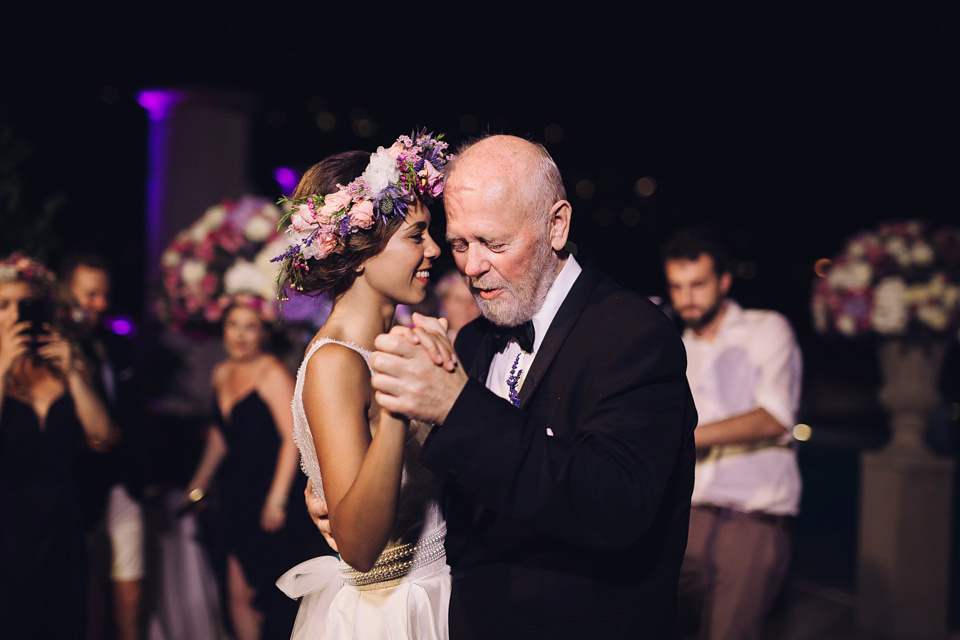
(905,506)
(904,550)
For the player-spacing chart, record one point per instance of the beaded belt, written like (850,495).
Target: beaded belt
(397,562)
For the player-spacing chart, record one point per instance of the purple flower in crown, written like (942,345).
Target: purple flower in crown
(410,168)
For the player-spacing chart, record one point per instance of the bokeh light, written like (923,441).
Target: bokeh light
(585,189)
(822,266)
(553,133)
(747,269)
(645,187)
(326,121)
(286,178)
(630,217)
(109,94)
(802,432)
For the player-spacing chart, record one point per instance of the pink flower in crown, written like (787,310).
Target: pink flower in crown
(303,219)
(434,179)
(332,204)
(400,147)
(322,244)
(361,215)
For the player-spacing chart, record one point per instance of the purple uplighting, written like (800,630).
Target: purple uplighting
(286,178)
(122,325)
(158,102)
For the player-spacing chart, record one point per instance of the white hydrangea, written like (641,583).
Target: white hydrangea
(213,217)
(897,247)
(854,275)
(858,248)
(846,325)
(889,313)
(258,228)
(922,253)
(381,172)
(193,271)
(933,316)
(243,276)
(170,259)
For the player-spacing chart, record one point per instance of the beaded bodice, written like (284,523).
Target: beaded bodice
(418,512)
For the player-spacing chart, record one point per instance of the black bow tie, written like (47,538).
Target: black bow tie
(522,333)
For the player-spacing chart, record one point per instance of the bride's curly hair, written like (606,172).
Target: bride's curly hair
(335,273)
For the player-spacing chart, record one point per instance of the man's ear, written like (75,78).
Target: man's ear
(725,281)
(559,224)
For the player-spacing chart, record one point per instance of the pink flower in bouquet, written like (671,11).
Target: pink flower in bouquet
(212,311)
(209,284)
(361,215)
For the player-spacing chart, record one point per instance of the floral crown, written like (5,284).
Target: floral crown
(412,167)
(17,266)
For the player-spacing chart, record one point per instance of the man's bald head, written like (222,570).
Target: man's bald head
(501,164)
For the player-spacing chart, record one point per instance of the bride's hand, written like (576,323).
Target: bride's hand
(431,334)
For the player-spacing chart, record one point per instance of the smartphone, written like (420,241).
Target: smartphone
(38,312)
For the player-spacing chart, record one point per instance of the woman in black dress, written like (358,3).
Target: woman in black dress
(48,409)
(251,451)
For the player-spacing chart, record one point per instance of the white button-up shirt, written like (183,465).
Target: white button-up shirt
(502,362)
(753,362)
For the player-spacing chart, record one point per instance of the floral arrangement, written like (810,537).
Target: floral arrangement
(222,259)
(17,266)
(898,280)
(412,167)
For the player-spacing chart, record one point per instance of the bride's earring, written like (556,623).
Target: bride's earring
(359,269)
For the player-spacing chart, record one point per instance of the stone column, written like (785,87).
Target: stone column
(198,149)
(905,506)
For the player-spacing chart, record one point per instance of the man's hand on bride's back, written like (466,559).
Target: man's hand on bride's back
(317,508)
(416,372)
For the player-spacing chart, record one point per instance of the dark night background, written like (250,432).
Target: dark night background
(786,131)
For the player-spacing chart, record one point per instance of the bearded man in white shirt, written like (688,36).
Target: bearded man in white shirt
(744,369)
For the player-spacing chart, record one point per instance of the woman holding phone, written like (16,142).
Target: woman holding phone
(48,409)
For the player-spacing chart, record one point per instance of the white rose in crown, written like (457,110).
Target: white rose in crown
(381,172)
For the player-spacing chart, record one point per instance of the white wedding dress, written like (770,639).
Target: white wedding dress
(407,593)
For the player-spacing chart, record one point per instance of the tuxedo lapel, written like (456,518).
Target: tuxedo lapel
(559,329)
(484,355)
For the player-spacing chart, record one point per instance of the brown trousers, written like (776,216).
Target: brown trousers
(732,572)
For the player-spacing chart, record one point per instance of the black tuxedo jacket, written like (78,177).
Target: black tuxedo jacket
(580,533)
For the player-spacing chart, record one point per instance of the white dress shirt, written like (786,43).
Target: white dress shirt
(502,362)
(753,361)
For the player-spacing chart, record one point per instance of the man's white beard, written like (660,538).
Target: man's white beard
(520,300)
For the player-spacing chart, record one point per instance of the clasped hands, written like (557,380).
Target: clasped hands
(416,374)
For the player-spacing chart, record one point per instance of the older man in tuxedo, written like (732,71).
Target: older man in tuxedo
(566,436)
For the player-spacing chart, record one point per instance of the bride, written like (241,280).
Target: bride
(358,232)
